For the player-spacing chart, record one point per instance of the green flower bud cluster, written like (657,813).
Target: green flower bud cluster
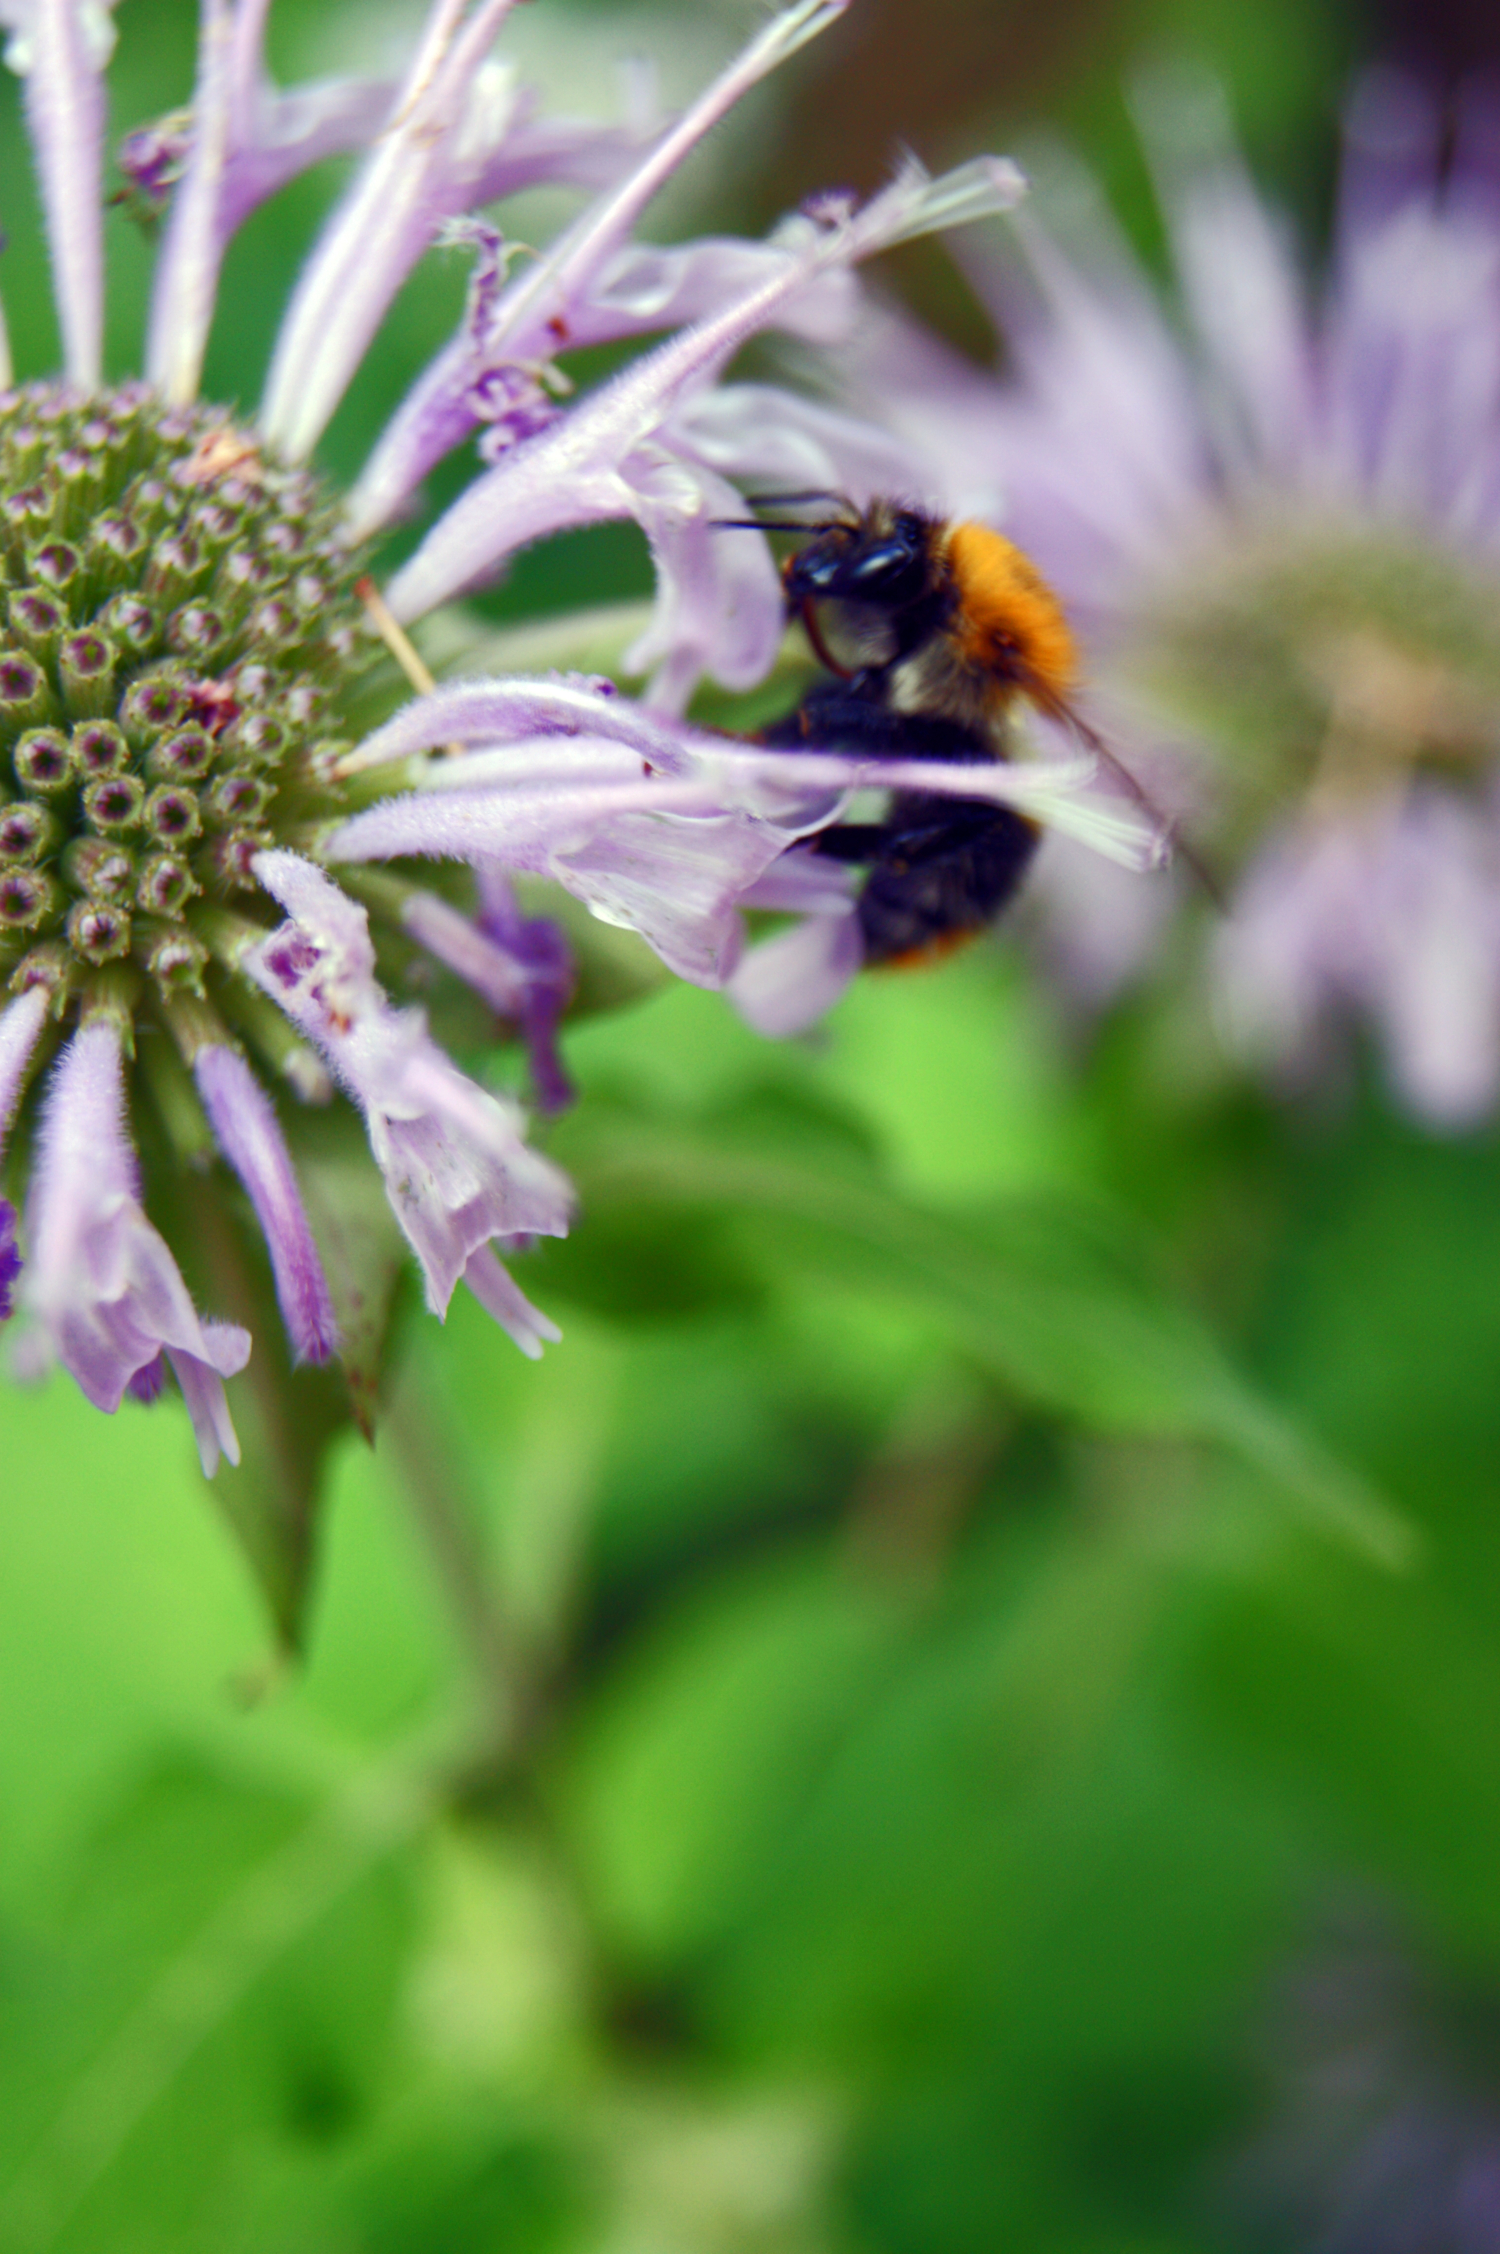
(177,620)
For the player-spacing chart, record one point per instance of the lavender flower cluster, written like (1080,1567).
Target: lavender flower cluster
(185,633)
(1276,532)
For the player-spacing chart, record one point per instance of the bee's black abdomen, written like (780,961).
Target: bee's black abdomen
(939,869)
(945,868)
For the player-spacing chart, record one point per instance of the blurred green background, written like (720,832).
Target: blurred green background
(917,1729)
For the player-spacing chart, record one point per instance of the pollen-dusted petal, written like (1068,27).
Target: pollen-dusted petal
(60,47)
(245,1127)
(102,1289)
(456,1167)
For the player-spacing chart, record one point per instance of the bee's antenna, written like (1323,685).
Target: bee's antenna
(1057,707)
(761,524)
(840,501)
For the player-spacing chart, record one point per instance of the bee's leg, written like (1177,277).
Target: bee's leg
(850,841)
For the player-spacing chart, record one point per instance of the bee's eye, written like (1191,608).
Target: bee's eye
(894,572)
(891,572)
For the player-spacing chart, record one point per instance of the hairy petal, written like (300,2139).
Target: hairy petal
(452,113)
(516,710)
(245,1127)
(182,302)
(60,48)
(555,299)
(102,1288)
(21,1023)
(456,1168)
(606,459)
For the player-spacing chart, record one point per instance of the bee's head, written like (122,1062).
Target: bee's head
(885,559)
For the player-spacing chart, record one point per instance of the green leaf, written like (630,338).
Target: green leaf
(221,1975)
(1050,1292)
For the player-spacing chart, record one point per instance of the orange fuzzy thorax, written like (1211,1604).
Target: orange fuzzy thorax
(1009,625)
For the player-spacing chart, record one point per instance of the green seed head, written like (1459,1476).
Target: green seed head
(176,621)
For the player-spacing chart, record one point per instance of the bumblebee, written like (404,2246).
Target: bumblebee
(930,631)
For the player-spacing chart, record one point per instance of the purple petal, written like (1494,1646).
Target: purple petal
(804,884)
(278,136)
(60,47)
(456,1169)
(246,1129)
(20,1026)
(720,608)
(1413,377)
(516,710)
(450,117)
(676,881)
(1239,280)
(601,460)
(10,1258)
(103,1289)
(761,435)
(791,980)
(187,274)
(524,808)
(500,1296)
(523,968)
(547,303)
(1397,917)
(201,1378)
(149,1382)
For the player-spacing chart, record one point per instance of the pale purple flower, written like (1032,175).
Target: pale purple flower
(173,707)
(456,1167)
(1275,517)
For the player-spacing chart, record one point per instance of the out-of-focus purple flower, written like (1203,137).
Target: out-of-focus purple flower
(1384,2130)
(1275,517)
